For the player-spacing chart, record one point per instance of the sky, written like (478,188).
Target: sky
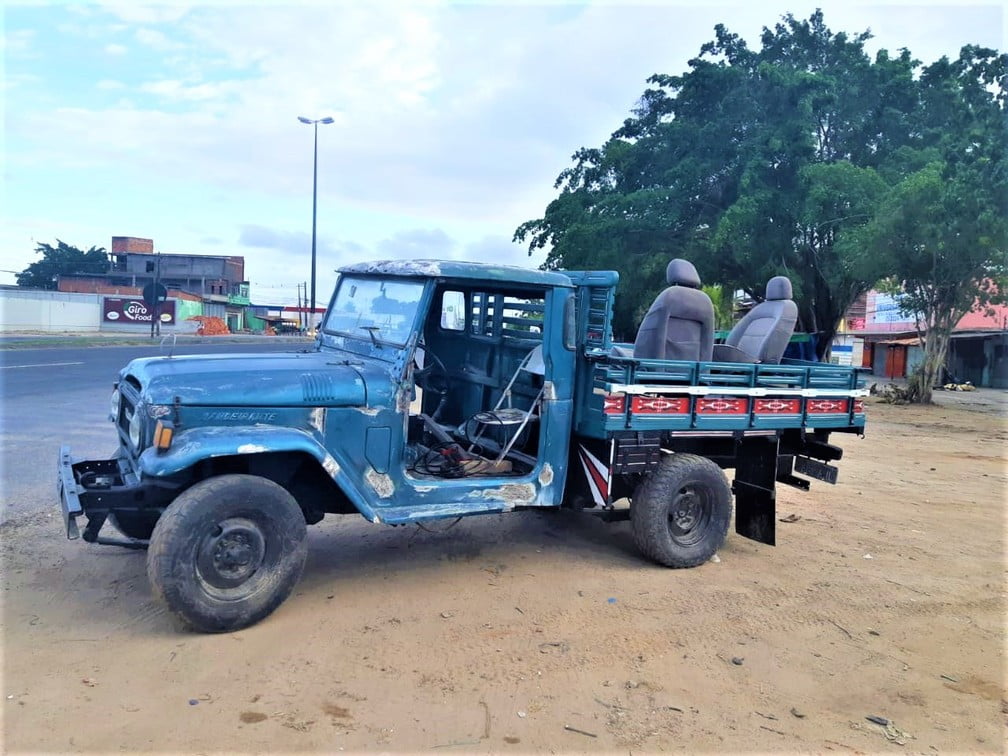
(179,122)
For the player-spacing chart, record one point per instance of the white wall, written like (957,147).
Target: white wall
(847,350)
(51,311)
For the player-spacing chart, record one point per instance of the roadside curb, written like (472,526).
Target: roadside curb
(27,340)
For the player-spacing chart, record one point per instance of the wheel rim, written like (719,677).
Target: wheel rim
(689,515)
(233,558)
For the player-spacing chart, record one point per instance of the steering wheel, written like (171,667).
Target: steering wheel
(433,376)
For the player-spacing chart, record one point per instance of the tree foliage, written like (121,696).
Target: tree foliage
(724,306)
(63,259)
(942,230)
(755,163)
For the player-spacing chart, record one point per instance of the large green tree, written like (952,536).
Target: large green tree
(63,259)
(942,230)
(750,164)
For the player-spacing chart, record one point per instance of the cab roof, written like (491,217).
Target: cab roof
(456,269)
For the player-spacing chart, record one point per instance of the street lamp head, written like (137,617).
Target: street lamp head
(309,121)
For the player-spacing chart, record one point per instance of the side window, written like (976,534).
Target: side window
(523,317)
(453,311)
(499,315)
(483,316)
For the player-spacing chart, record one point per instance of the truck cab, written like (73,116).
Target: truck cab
(442,389)
(473,413)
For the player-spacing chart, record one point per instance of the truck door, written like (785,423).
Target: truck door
(502,406)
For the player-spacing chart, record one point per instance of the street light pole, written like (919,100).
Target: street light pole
(154,303)
(314,211)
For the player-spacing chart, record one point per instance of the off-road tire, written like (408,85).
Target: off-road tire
(680,512)
(227,552)
(134,524)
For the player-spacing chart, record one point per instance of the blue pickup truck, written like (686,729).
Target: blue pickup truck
(440,389)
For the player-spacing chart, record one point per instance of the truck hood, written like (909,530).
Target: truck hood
(262,380)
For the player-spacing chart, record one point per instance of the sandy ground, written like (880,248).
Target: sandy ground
(886,598)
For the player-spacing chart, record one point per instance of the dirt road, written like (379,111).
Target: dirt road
(886,598)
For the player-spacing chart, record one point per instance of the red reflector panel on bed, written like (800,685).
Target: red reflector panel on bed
(659,405)
(826,406)
(711,406)
(614,405)
(777,406)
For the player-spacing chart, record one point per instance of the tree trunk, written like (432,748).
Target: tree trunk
(824,343)
(928,373)
(826,319)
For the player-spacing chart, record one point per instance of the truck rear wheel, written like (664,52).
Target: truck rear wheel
(680,512)
(227,552)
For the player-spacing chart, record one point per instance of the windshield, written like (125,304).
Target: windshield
(374,309)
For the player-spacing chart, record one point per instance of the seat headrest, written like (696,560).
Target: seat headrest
(682,273)
(778,287)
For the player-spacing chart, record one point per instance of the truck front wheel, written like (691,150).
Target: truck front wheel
(134,524)
(227,552)
(680,512)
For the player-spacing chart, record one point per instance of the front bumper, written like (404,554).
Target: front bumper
(98,488)
(69,493)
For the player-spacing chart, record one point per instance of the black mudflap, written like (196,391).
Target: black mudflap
(754,488)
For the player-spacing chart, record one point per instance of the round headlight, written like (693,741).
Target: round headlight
(114,406)
(134,426)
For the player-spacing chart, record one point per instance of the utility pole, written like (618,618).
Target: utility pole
(300,319)
(155,322)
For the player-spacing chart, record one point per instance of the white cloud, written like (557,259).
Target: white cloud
(451,120)
(468,112)
(417,244)
(420,99)
(500,250)
(177,90)
(19,42)
(140,13)
(295,245)
(15,81)
(156,40)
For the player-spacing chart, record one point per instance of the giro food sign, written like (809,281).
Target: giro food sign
(122,310)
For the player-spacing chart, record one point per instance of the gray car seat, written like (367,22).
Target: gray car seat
(763,334)
(680,323)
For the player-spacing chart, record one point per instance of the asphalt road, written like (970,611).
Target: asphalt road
(55,396)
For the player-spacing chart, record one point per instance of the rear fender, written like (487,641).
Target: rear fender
(197,444)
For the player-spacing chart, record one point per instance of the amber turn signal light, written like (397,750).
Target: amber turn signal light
(163,433)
